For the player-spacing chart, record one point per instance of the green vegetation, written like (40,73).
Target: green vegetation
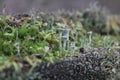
(27,42)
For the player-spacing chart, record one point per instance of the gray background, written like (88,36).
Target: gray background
(22,6)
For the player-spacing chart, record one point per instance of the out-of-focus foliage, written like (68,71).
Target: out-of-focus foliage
(98,21)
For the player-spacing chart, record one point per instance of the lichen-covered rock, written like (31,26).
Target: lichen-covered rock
(90,66)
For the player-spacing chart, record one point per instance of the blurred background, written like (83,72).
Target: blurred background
(24,6)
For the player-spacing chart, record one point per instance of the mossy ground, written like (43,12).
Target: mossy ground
(29,41)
